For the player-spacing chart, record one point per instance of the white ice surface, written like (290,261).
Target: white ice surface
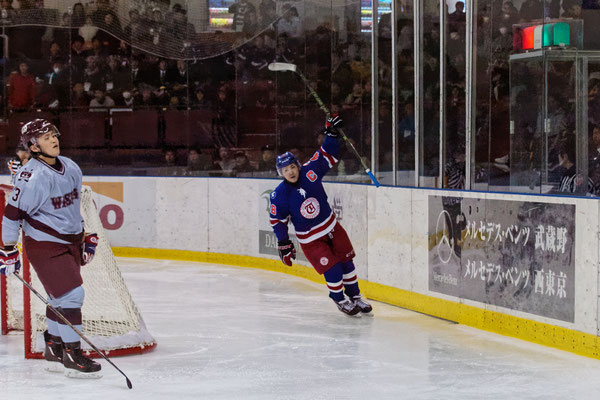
(238,333)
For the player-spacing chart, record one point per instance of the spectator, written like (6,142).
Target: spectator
(457,19)
(162,97)
(181,29)
(240,11)
(127,99)
(290,23)
(78,19)
(88,31)
(157,75)
(118,77)
(199,101)
(242,164)
(101,102)
(267,160)
(226,162)
(267,12)
(136,74)
(80,99)
(109,32)
(177,79)
(93,76)
(21,89)
(196,161)
(170,157)
(59,82)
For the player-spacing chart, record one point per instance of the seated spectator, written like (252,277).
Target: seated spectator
(571,181)
(88,32)
(21,88)
(101,102)
(267,161)
(162,97)
(59,82)
(197,161)
(93,74)
(225,162)
(177,79)
(127,99)
(147,99)
(170,157)
(118,76)
(199,101)
(242,164)
(79,98)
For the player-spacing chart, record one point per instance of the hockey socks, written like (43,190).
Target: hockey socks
(350,279)
(334,279)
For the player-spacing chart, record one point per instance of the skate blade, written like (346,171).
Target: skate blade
(71,373)
(53,366)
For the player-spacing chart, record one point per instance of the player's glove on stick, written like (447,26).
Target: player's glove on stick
(287,252)
(89,247)
(332,126)
(9,262)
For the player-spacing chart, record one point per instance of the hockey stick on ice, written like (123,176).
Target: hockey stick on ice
(279,66)
(129,385)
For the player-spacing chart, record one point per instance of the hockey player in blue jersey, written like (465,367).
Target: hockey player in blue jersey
(301,199)
(45,202)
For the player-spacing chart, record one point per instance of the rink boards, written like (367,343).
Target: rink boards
(519,265)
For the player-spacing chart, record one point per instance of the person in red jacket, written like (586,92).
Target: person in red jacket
(21,89)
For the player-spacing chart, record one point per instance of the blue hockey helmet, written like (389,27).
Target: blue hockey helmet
(285,159)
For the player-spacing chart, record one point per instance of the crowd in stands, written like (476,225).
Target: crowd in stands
(95,59)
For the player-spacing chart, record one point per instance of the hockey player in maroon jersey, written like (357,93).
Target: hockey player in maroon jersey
(45,202)
(301,198)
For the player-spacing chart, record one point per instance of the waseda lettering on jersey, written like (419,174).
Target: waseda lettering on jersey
(65,200)
(315,157)
(311,175)
(273,209)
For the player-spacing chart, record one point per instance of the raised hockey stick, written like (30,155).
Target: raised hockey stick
(279,66)
(28,286)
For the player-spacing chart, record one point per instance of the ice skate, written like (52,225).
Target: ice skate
(77,365)
(53,353)
(348,307)
(362,305)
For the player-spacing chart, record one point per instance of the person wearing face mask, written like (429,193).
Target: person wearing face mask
(59,82)
(126,99)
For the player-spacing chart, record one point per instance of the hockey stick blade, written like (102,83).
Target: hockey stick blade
(279,66)
(64,319)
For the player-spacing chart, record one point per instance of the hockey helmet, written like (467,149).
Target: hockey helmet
(285,159)
(32,130)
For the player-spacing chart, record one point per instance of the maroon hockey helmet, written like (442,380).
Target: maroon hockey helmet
(32,130)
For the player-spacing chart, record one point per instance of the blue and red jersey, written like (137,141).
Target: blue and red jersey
(305,202)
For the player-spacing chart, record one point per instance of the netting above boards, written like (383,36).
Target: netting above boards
(177,29)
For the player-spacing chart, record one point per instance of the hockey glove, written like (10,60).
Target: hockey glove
(89,247)
(9,262)
(287,252)
(332,126)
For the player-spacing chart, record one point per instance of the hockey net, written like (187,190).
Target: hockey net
(111,320)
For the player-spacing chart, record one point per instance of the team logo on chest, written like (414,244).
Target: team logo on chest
(310,208)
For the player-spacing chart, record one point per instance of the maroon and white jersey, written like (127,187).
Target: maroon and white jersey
(46,201)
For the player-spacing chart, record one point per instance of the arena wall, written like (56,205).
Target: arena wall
(398,234)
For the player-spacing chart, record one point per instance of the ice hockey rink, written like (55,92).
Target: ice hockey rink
(241,333)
